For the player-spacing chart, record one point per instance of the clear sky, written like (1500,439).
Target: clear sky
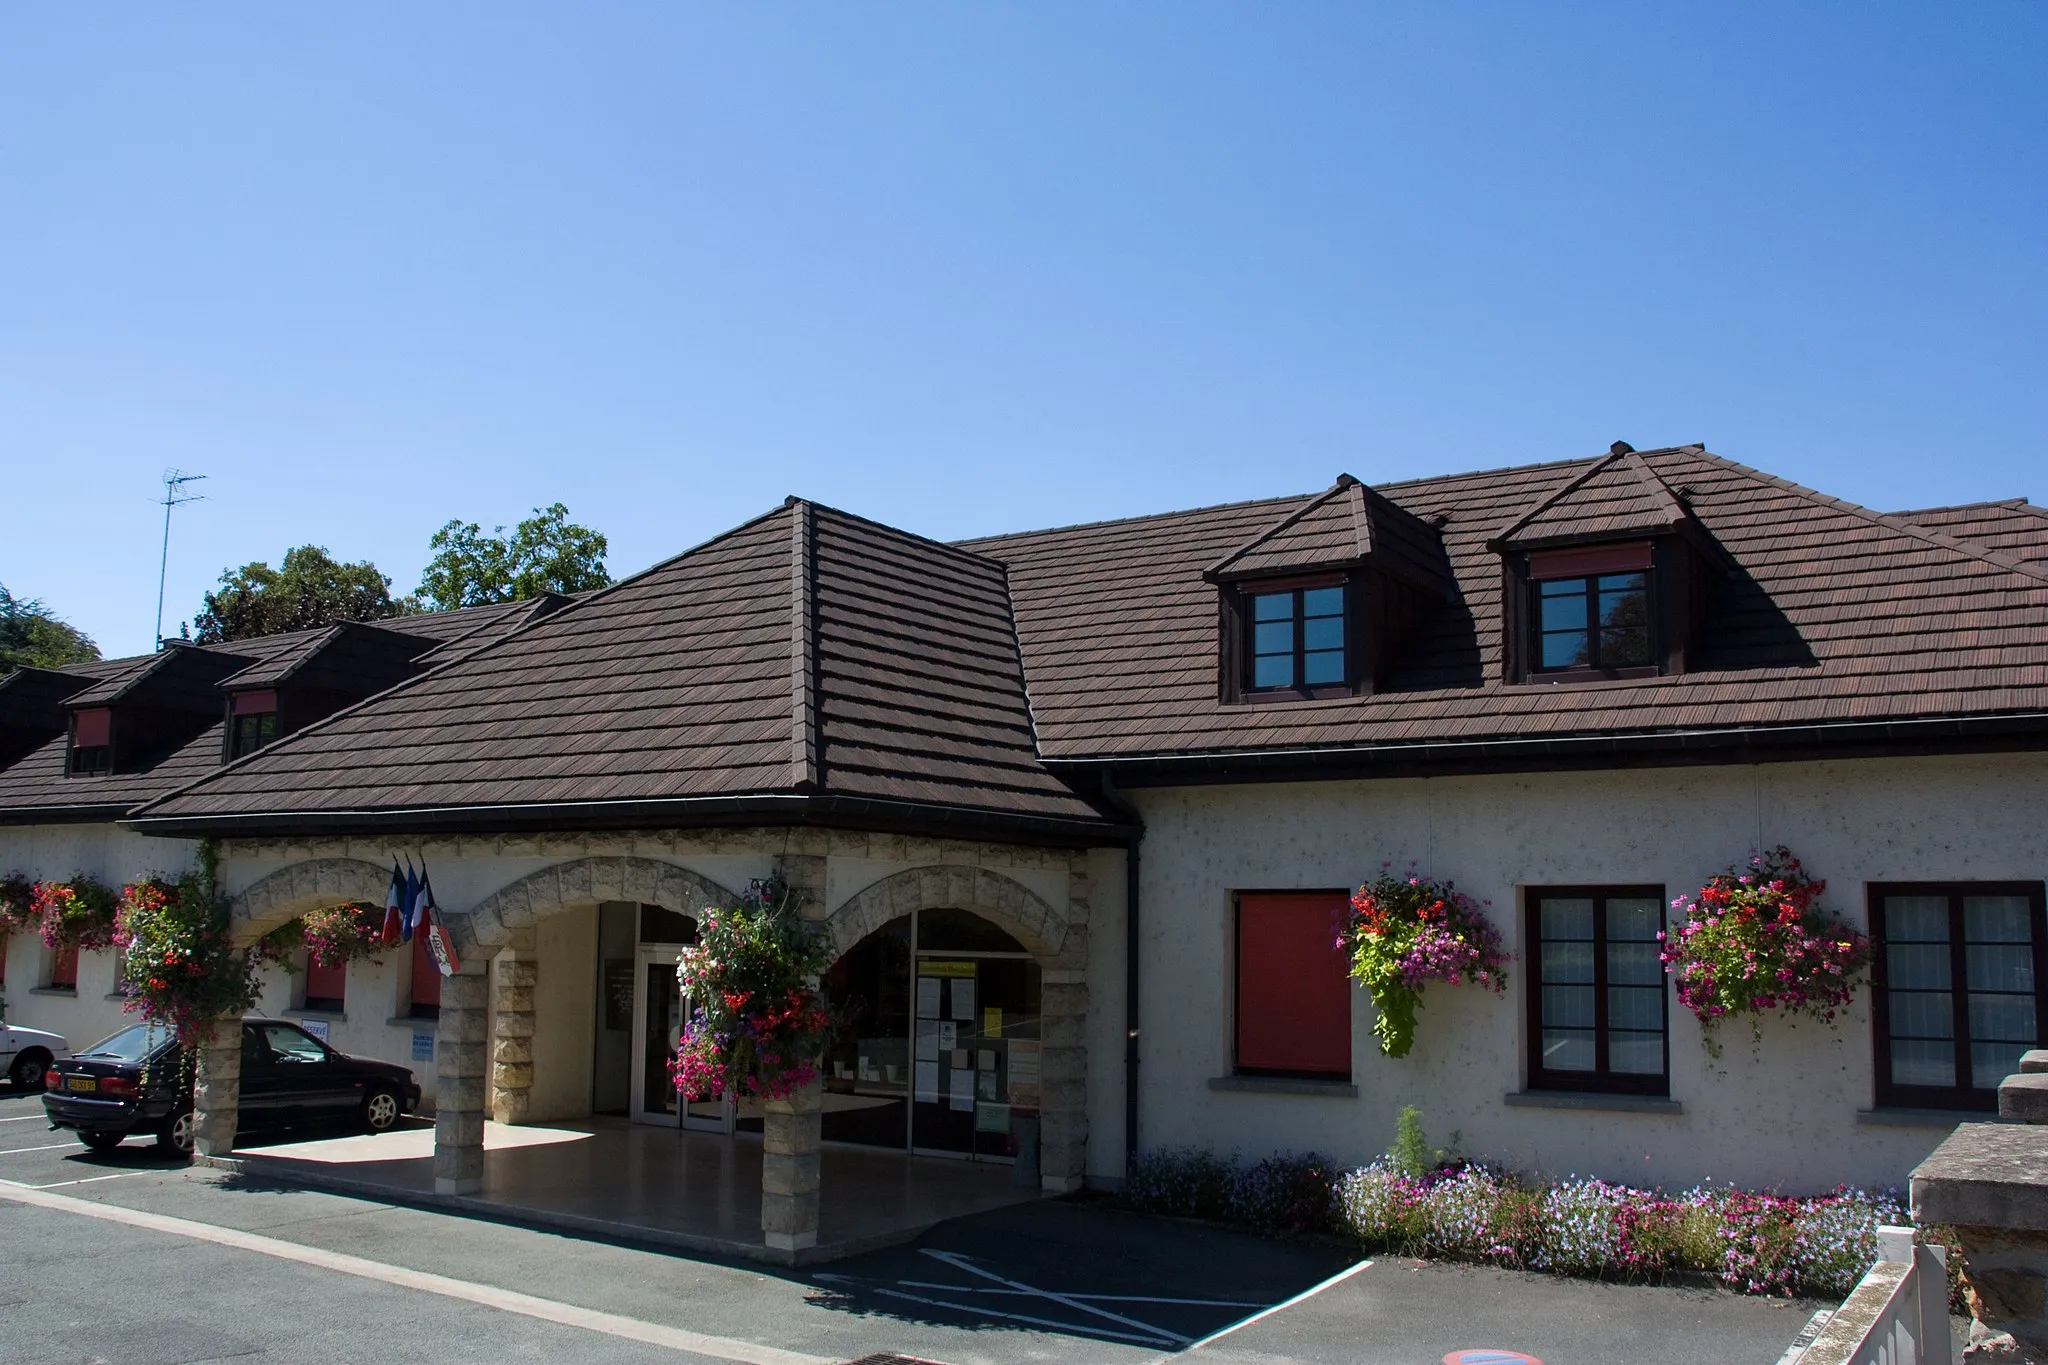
(982,266)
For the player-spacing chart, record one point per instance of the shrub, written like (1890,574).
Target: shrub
(1286,1194)
(1182,1182)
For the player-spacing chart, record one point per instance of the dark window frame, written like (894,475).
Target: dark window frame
(1960,1097)
(1237,992)
(1600,1080)
(236,747)
(1533,630)
(1246,662)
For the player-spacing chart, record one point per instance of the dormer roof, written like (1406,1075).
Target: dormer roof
(1348,526)
(341,648)
(1619,497)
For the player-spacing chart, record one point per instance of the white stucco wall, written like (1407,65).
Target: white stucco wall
(1783,1114)
(564,1015)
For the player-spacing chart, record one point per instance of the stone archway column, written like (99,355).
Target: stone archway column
(459,1090)
(516,976)
(217,1090)
(791,1132)
(1063,1083)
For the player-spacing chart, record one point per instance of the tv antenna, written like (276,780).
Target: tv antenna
(174,496)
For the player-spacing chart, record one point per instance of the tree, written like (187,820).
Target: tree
(545,553)
(311,590)
(32,637)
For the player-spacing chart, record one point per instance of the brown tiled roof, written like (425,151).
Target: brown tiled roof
(1348,525)
(1618,496)
(2013,527)
(1833,614)
(807,655)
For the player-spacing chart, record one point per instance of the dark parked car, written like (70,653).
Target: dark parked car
(139,1083)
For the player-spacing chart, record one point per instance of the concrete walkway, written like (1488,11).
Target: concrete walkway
(695,1191)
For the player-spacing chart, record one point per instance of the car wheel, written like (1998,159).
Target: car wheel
(177,1134)
(27,1071)
(381,1111)
(102,1142)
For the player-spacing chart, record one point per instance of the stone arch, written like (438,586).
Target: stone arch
(289,892)
(519,905)
(1005,902)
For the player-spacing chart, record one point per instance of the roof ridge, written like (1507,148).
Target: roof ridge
(1344,484)
(2017,504)
(1843,505)
(985,561)
(1627,458)
(803,646)
(1124,521)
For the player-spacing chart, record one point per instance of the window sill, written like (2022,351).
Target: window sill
(1923,1118)
(68,992)
(1285,1085)
(120,995)
(337,1016)
(1593,1100)
(413,1022)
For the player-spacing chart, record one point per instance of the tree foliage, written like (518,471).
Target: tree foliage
(312,589)
(545,553)
(32,637)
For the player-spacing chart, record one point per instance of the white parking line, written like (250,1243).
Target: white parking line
(1302,1297)
(23,1118)
(87,1180)
(53,1147)
(484,1295)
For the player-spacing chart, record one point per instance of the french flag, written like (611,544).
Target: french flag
(408,901)
(394,907)
(423,906)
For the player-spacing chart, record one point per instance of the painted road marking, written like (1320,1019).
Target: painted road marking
(53,1147)
(1096,1298)
(959,1262)
(87,1180)
(488,1296)
(1303,1297)
(22,1118)
(1489,1356)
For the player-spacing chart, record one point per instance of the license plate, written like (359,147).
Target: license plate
(86,1084)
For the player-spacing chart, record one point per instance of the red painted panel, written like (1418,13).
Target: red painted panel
(1591,559)
(255,703)
(64,968)
(92,727)
(1293,989)
(326,983)
(426,977)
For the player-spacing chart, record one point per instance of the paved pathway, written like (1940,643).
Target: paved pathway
(125,1257)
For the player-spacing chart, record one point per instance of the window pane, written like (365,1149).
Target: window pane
(1564,613)
(1568,963)
(1273,637)
(1626,647)
(1565,651)
(1614,584)
(1636,1054)
(1568,1049)
(1923,1063)
(1923,1014)
(1567,1007)
(1327,667)
(1916,919)
(1323,632)
(2002,1019)
(1273,670)
(1273,606)
(1918,966)
(1561,587)
(2000,967)
(1571,919)
(1634,964)
(1322,602)
(1991,1063)
(1635,1007)
(1634,919)
(1996,919)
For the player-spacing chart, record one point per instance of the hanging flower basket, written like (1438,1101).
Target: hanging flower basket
(1753,942)
(17,905)
(1405,932)
(342,934)
(181,969)
(78,914)
(755,1024)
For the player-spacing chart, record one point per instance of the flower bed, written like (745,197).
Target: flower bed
(1405,932)
(1818,1246)
(1753,942)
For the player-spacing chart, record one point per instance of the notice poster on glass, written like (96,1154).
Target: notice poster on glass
(963,999)
(949,1036)
(927,1082)
(928,996)
(960,1089)
(992,1022)
(991,1118)
(1024,1074)
(927,1040)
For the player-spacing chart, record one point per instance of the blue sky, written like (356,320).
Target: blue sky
(979,267)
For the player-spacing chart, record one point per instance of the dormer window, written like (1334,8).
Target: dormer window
(92,742)
(1297,638)
(253,723)
(1591,610)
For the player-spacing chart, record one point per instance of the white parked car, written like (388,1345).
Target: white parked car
(25,1052)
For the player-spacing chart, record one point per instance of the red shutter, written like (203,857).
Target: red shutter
(326,983)
(91,728)
(1590,559)
(64,968)
(1293,989)
(254,703)
(426,977)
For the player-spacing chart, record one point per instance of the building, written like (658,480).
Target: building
(1079,808)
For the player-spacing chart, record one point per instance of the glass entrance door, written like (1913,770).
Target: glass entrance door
(658,1027)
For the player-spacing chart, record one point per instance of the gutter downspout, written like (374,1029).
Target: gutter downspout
(1131,973)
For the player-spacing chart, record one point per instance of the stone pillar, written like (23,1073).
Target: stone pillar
(789,1170)
(1989,1183)
(512,1034)
(459,1089)
(1063,1081)
(217,1090)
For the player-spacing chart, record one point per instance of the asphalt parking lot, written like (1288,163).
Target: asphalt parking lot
(1054,1281)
